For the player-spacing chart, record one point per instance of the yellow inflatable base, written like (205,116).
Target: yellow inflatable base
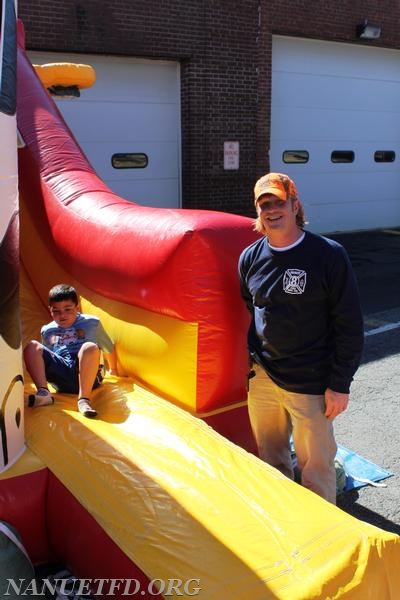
(183,502)
(27,463)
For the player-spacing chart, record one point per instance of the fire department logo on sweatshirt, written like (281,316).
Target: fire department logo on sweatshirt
(294,281)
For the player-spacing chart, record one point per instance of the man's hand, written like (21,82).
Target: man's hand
(335,403)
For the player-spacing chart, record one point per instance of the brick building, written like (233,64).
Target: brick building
(227,53)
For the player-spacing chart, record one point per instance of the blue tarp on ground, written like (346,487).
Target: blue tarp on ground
(359,470)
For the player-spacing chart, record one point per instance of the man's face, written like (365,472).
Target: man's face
(277,214)
(64,312)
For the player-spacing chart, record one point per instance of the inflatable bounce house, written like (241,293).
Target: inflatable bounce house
(162,494)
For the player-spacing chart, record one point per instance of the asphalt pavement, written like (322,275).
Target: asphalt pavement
(371,425)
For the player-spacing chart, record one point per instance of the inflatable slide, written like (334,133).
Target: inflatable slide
(149,499)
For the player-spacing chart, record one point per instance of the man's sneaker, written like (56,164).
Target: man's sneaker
(85,409)
(41,398)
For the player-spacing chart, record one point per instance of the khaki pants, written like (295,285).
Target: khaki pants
(275,414)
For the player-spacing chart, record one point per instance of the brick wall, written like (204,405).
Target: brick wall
(224,47)
(336,20)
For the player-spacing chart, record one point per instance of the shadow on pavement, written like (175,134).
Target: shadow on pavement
(375,256)
(380,346)
(348,503)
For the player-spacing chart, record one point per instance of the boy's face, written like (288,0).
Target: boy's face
(64,312)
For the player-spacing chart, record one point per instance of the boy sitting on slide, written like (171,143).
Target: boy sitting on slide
(68,356)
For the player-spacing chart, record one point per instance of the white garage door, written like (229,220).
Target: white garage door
(335,128)
(131,116)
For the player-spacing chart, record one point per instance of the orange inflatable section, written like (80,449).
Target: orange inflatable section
(66,74)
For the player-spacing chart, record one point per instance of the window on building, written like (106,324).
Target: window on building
(384,156)
(342,156)
(129,160)
(295,156)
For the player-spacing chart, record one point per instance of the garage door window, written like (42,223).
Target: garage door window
(295,156)
(129,160)
(384,156)
(342,156)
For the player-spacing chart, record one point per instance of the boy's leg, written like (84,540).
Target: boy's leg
(34,362)
(33,357)
(88,359)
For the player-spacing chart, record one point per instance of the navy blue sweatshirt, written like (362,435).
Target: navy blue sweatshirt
(307,327)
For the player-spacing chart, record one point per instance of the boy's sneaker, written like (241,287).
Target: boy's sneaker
(41,398)
(85,409)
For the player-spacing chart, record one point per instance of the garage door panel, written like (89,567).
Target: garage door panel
(145,80)
(163,161)
(336,125)
(348,205)
(345,187)
(319,158)
(320,91)
(350,60)
(124,121)
(327,97)
(336,218)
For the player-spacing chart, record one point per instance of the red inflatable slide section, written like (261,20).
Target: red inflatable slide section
(174,263)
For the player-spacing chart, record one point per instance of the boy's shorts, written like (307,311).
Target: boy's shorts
(63,372)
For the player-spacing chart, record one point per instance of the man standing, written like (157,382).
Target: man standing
(305,339)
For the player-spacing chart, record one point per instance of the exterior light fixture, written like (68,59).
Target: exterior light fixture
(368,31)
